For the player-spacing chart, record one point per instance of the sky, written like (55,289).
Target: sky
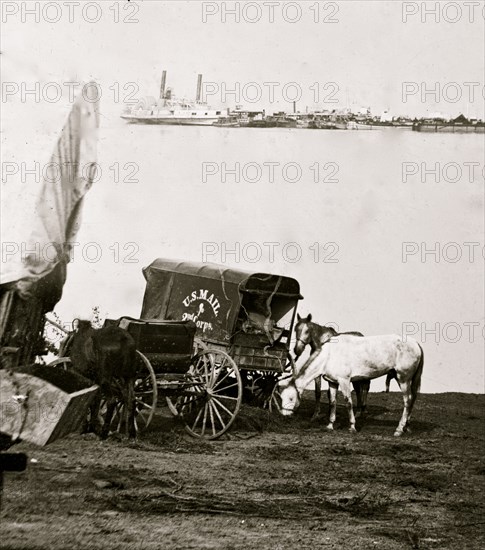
(400,56)
(365,58)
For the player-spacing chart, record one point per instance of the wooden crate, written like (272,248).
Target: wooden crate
(253,352)
(168,345)
(46,414)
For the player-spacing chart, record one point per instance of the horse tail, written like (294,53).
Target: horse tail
(416,380)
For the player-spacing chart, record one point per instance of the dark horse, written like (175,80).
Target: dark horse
(315,335)
(107,356)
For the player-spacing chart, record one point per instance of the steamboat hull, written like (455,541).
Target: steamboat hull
(206,121)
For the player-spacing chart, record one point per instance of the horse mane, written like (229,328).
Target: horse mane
(331,330)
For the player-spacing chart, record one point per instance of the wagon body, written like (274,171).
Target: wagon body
(249,315)
(203,387)
(168,345)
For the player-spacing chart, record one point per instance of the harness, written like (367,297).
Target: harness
(302,341)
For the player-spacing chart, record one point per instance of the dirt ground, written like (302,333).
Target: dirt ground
(272,483)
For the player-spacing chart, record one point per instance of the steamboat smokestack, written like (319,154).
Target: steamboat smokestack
(199,88)
(162,84)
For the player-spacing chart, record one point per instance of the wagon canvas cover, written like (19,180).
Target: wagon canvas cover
(208,294)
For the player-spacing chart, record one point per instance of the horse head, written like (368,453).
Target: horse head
(290,397)
(82,348)
(81,325)
(303,333)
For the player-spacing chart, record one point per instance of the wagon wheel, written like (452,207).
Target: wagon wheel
(199,345)
(146,394)
(63,362)
(274,401)
(210,405)
(261,387)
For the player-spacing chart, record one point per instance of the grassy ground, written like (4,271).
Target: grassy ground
(272,483)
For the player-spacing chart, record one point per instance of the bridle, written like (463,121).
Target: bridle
(305,344)
(309,329)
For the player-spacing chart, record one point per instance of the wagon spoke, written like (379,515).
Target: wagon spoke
(142,394)
(230,397)
(223,407)
(235,385)
(204,420)
(216,370)
(213,424)
(212,404)
(206,369)
(142,416)
(197,419)
(220,380)
(143,404)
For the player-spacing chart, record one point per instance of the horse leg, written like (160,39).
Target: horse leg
(364,390)
(332,398)
(359,394)
(318,397)
(124,412)
(347,393)
(92,425)
(412,400)
(414,386)
(408,404)
(110,408)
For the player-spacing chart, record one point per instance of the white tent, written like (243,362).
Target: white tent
(48,147)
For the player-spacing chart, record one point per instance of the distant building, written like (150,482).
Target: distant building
(244,116)
(386,116)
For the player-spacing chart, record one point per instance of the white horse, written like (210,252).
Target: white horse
(346,359)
